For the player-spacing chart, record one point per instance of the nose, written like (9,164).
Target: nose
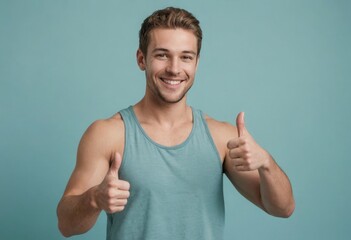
(173,67)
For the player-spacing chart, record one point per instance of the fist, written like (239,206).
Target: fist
(244,154)
(112,194)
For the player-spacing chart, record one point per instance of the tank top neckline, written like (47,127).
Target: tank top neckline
(177,146)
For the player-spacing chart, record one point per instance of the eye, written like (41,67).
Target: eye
(187,58)
(161,56)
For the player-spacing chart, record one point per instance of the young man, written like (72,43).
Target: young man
(157,167)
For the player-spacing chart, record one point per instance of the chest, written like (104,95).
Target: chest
(168,136)
(163,171)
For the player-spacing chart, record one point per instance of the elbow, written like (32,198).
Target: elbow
(289,210)
(64,230)
(68,228)
(284,212)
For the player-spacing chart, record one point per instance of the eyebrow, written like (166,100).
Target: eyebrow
(166,50)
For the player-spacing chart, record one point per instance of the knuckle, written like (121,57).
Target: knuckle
(120,208)
(231,153)
(245,149)
(110,193)
(251,164)
(230,144)
(109,210)
(123,185)
(127,194)
(110,184)
(247,156)
(110,202)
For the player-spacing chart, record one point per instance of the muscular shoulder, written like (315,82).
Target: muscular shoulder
(221,133)
(106,126)
(224,129)
(105,135)
(97,147)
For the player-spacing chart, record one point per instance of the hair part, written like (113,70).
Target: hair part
(169,18)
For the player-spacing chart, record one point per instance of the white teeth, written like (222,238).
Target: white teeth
(171,82)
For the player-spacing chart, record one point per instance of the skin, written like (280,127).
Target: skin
(170,65)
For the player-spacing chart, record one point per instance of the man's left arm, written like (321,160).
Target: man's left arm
(256,175)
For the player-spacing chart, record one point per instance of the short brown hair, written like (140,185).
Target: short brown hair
(169,17)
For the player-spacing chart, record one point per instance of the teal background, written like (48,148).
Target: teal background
(64,64)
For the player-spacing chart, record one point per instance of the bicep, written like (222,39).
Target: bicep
(92,163)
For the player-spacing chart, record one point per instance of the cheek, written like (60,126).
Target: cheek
(156,67)
(191,71)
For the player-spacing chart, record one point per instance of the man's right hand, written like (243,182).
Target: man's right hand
(112,194)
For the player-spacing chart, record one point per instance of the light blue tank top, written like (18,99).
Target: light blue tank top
(176,192)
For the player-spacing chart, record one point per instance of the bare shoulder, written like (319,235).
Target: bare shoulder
(106,127)
(97,147)
(221,133)
(225,129)
(114,122)
(106,134)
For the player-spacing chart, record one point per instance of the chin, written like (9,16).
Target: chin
(171,100)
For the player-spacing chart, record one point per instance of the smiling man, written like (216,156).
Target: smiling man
(156,168)
(170,63)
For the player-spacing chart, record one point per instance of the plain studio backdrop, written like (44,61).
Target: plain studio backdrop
(64,64)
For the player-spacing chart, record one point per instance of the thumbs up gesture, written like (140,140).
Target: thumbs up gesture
(244,153)
(112,194)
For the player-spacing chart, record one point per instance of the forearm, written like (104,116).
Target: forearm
(276,191)
(77,214)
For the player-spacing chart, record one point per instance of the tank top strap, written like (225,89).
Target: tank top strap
(203,131)
(127,115)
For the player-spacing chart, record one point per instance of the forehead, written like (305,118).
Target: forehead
(177,40)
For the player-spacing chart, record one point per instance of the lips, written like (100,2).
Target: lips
(172,82)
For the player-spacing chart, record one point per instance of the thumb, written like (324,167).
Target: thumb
(115,165)
(240,124)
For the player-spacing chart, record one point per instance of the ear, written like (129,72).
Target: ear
(140,59)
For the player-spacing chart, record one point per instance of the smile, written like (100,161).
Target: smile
(171,82)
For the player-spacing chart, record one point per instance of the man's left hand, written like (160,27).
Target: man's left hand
(244,153)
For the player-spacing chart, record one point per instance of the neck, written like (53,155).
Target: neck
(165,114)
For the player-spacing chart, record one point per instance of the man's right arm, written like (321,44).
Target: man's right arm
(94,183)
